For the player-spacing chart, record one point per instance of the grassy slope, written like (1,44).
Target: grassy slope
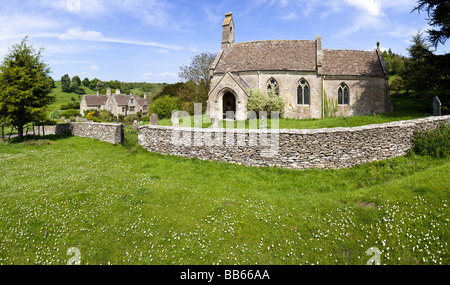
(123,205)
(64,98)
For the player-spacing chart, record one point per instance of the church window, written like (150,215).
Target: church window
(343,94)
(303,93)
(272,86)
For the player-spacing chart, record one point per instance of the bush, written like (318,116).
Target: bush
(435,143)
(106,116)
(262,101)
(164,106)
(71,105)
(70,113)
(54,115)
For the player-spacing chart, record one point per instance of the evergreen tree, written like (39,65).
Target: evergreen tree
(25,86)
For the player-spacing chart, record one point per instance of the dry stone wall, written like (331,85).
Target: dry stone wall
(111,133)
(298,149)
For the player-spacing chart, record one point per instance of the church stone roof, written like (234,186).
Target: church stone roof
(351,62)
(297,55)
(292,55)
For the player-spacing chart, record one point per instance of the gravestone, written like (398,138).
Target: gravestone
(263,123)
(215,123)
(154,120)
(175,119)
(196,119)
(135,125)
(437,107)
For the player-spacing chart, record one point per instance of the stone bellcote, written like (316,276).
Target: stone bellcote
(228,31)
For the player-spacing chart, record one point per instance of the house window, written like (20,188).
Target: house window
(343,94)
(303,93)
(132,109)
(123,110)
(272,86)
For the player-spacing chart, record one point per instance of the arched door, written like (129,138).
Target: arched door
(229,104)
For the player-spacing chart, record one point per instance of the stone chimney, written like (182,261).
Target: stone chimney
(227,31)
(117,91)
(108,91)
(145,96)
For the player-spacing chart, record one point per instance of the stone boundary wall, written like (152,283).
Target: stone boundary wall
(111,133)
(298,149)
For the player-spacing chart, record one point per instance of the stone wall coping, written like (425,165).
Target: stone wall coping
(396,124)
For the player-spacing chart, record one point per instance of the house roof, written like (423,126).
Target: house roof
(351,62)
(121,99)
(294,55)
(94,100)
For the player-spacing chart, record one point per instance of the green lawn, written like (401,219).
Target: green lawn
(124,205)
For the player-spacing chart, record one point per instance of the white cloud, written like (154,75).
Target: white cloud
(94,67)
(368,7)
(80,34)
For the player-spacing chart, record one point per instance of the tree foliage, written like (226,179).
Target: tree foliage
(164,106)
(439,17)
(65,83)
(198,70)
(25,86)
(261,101)
(426,75)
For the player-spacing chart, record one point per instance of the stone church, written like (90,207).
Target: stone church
(304,74)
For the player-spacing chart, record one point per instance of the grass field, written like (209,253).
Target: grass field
(124,205)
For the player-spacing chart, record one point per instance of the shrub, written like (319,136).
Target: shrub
(262,101)
(70,113)
(435,143)
(91,115)
(54,115)
(164,106)
(106,116)
(70,105)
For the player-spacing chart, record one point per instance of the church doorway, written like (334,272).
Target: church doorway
(229,105)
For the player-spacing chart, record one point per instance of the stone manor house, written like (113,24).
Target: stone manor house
(300,71)
(117,104)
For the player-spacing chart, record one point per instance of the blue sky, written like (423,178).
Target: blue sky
(148,40)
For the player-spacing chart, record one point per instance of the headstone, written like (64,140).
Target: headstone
(196,119)
(154,120)
(175,119)
(263,123)
(437,107)
(135,125)
(215,123)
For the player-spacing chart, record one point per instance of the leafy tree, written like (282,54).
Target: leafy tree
(439,17)
(198,70)
(65,83)
(164,106)
(86,82)
(397,84)
(76,81)
(261,101)
(25,86)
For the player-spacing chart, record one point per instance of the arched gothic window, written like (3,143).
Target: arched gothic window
(343,94)
(303,92)
(272,85)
